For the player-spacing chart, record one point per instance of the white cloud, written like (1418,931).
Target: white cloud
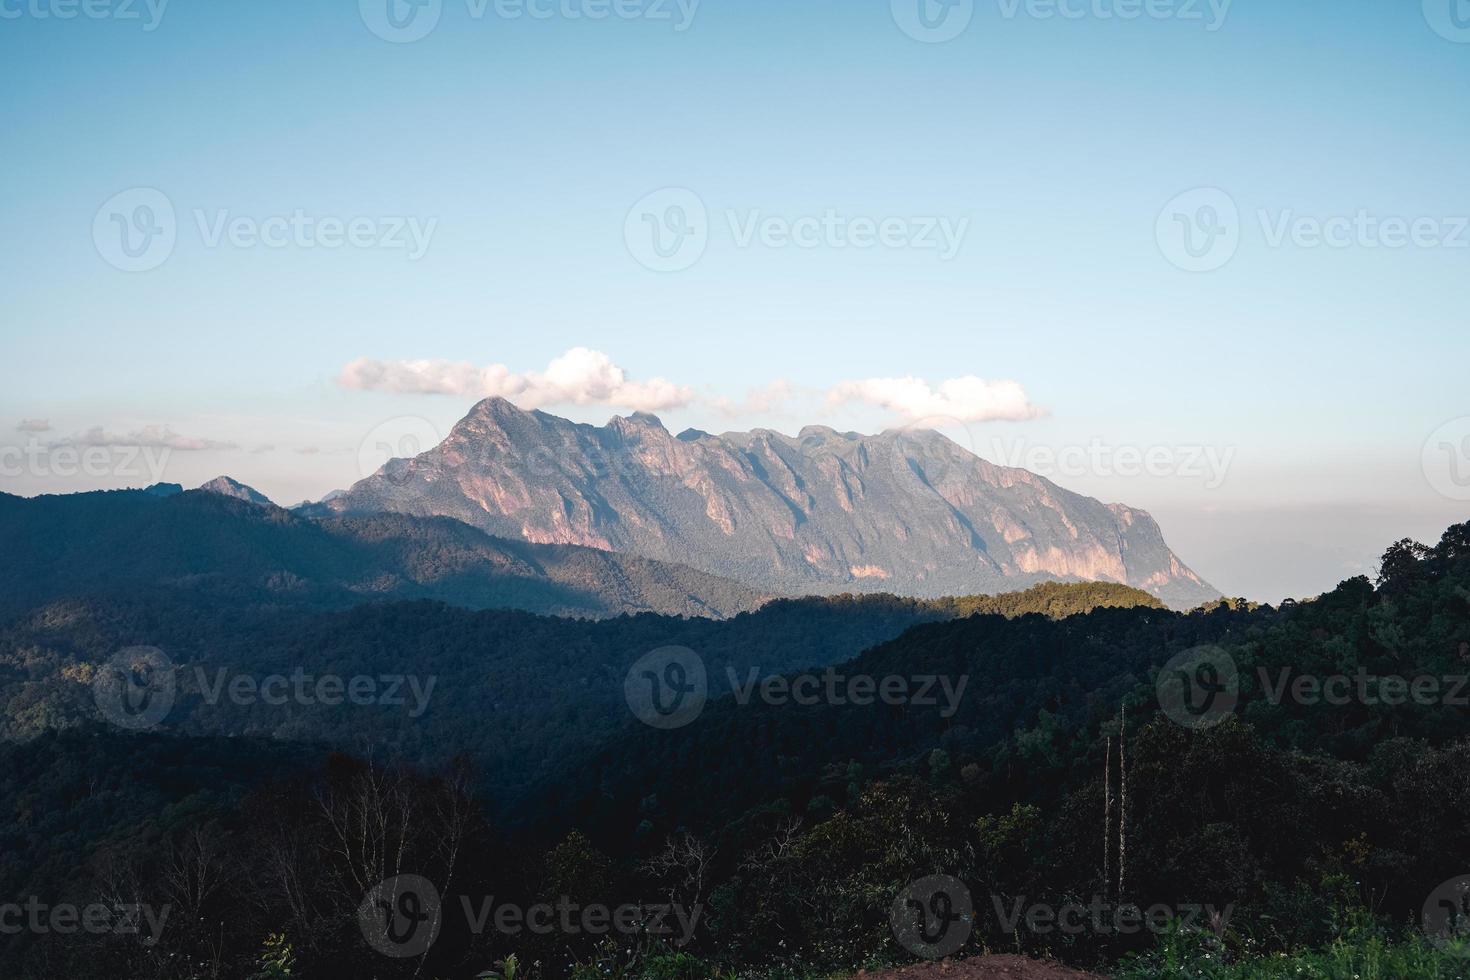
(764,400)
(33,425)
(966,399)
(148,437)
(579,377)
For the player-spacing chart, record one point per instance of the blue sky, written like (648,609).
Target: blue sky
(517,146)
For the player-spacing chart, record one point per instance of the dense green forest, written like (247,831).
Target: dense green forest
(1303,823)
(519,693)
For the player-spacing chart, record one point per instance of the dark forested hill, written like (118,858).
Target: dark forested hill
(230,550)
(522,694)
(1053,768)
(1068,677)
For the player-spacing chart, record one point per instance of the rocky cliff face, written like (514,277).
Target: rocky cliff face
(905,512)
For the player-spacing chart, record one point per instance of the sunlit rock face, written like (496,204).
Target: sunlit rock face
(905,511)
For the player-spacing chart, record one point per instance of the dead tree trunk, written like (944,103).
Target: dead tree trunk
(1108,816)
(1122,804)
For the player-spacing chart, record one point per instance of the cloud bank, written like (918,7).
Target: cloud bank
(965,399)
(579,377)
(148,437)
(583,376)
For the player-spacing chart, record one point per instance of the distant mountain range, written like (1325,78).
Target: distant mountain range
(907,512)
(216,543)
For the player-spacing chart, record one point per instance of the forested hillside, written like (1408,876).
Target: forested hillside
(521,694)
(222,550)
(1064,773)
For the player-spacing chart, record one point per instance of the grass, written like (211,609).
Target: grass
(1353,958)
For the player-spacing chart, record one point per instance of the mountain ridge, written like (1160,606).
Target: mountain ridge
(905,511)
(230,549)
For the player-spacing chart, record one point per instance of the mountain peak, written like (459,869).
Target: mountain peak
(229,487)
(909,511)
(637,422)
(497,407)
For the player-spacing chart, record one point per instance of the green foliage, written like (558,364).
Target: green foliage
(277,961)
(1055,600)
(1363,955)
(1320,827)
